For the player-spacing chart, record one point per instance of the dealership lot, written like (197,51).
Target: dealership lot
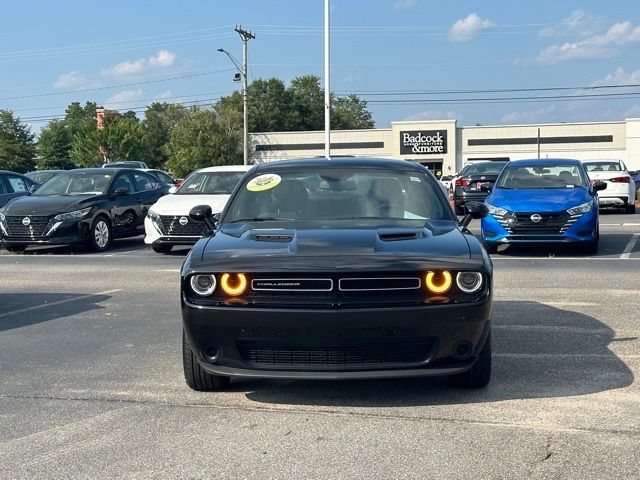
(92,384)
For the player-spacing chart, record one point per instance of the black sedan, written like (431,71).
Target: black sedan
(337,269)
(84,206)
(475,183)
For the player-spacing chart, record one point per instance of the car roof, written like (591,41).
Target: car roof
(12,173)
(103,170)
(226,168)
(341,162)
(544,161)
(602,160)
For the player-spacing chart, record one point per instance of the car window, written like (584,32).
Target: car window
(340,194)
(143,182)
(163,176)
(123,181)
(542,176)
(603,166)
(488,168)
(212,183)
(18,184)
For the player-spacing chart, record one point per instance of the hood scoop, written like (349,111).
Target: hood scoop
(397,236)
(264,236)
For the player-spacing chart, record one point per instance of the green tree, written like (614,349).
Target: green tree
(121,139)
(307,104)
(79,119)
(54,146)
(350,113)
(159,121)
(204,138)
(17,146)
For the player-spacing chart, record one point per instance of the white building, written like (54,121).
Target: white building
(445,147)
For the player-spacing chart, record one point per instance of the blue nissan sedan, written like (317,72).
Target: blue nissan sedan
(543,201)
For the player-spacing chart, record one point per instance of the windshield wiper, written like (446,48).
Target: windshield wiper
(260,219)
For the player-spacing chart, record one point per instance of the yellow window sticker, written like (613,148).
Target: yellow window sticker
(263,182)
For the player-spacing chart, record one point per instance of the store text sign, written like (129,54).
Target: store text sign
(423,142)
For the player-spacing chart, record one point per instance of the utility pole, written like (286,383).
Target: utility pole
(246,36)
(327,83)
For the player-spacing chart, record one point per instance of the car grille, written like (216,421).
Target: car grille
(549,224)
(171,226)
(35,229)
(270,355)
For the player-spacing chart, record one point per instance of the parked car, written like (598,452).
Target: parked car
(84,206)
(41,176)
(168,223)
(446,181)
(337,269)
(14,185)
(621,187)
(543,201)
(126,164)
(475,183)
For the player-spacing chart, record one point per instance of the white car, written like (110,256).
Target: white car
(168,223)
(621,189)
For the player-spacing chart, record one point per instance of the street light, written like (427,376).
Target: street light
(243,74)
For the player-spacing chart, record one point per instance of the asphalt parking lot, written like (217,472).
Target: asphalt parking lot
(92,385)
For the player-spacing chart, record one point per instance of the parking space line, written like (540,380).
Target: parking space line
(627,258)
(59,302)
(172,270)
(629,248)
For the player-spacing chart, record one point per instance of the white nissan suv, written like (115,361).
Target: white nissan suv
(621,189)
(168,223)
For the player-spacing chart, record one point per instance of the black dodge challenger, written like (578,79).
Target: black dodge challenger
(346,268)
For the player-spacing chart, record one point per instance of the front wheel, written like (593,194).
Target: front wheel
(479,375)
(99,235)
(197,378)
(161,248)
(630,209)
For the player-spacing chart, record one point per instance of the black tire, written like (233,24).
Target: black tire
(159,248)
(630,209)
(99,228)
(591,248)
(491,247)
(15,248)
(197,378)
(479,375)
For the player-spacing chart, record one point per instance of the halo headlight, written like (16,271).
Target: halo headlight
(203,285)
(233,286)
(438,282)
(469,282)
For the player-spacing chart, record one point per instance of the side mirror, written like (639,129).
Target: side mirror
(121,192)
(203,213)
(599,185)
(475,211)
(173,190)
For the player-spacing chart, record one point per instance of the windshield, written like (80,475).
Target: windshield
(339,194)
(488,168)
(76,183)
(612,166)
(542,176)
(210,183)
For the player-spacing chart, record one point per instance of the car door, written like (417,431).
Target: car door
(14,186)
(147,193)
(126,210)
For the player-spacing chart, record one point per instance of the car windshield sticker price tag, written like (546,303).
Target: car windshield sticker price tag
(263,182)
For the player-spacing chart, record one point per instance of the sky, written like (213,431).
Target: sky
(410,59)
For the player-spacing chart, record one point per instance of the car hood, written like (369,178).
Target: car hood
(49,205)
(539,200)
(182,204)
(247,248)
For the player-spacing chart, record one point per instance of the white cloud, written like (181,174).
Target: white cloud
(71,80)
(541,115)
(595,47)
(405,4)
(467,28)
(162,59)
(620,77)
(163,95)
(118,100)
(578,23)
(433,115)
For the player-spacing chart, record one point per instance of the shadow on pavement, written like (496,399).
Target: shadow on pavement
(539,352)
(118,245)
(54,306)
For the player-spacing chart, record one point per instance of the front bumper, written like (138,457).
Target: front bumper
(66,233)
(333,343)
(584,229)
(155,237)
